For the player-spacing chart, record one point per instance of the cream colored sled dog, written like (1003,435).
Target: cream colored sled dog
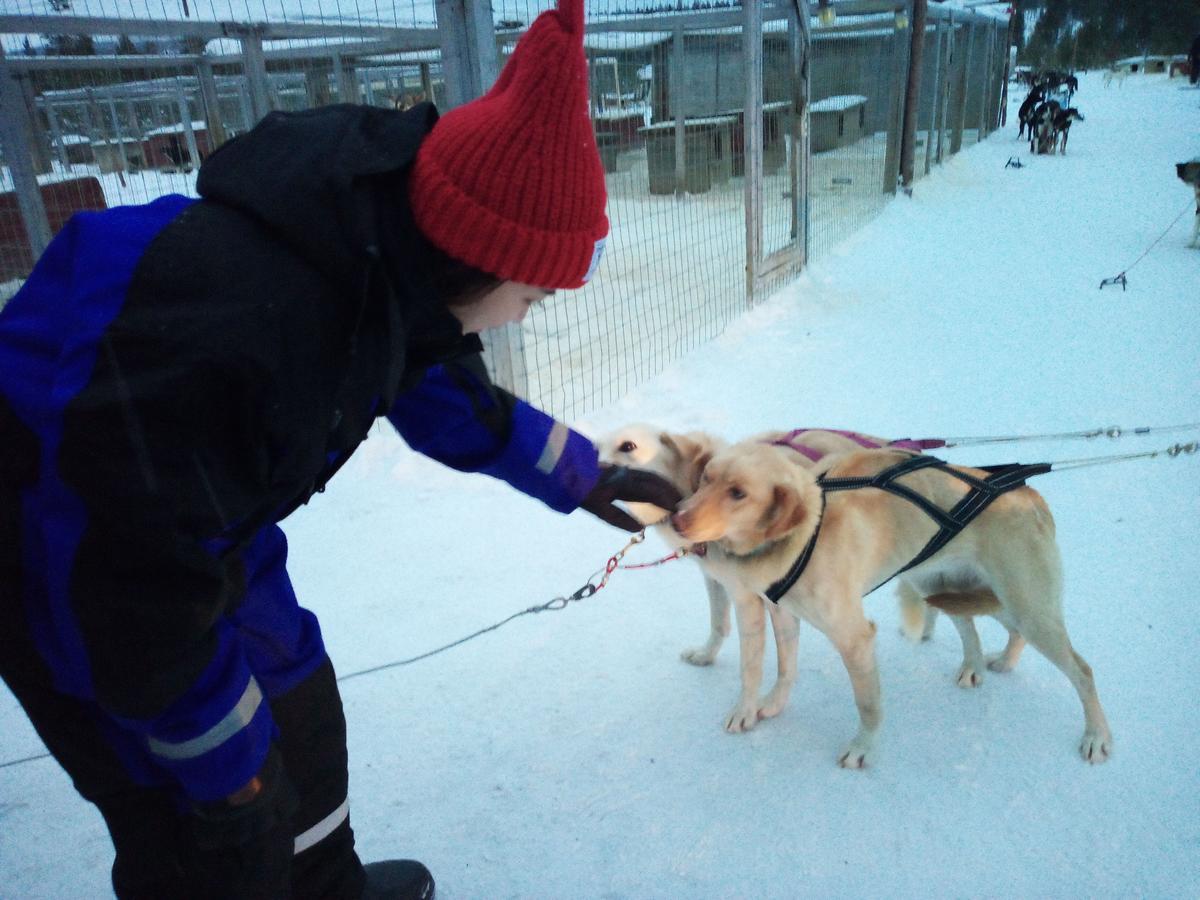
(680,458)
(757,509)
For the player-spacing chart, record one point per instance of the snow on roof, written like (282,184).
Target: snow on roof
(624,40)
(1135,60)
(837,103)
(74,139)
(177,128)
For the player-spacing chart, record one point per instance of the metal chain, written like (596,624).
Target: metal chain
(589,588)
(1119,278)
(1113,432)
(1173,451)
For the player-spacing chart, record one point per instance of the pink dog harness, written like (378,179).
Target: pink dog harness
(791,439)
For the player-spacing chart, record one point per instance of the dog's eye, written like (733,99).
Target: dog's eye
(705,478)
(737,493)
(627,447)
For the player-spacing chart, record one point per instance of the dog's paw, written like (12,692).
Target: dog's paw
(969,677)
(1000,662)
(743,718)
(699,656)
(773,704)
(858,754)
(1096,747)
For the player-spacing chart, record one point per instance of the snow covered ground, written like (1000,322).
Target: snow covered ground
(574,755)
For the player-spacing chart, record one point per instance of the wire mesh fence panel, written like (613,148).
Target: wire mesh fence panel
(117,117)
(665,108)
(850,113)
(124,111)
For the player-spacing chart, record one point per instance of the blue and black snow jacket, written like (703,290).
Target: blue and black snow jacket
(177,377)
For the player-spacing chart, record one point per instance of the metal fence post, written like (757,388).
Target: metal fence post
(960,101)
(752,140)
(17,135)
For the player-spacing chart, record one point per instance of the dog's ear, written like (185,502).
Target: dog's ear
(786,512)
(694,454)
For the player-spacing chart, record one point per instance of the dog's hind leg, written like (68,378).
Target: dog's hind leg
(1039,619)
(787,637)
(970,674)
(718,609)
(751,625)
(1006,659)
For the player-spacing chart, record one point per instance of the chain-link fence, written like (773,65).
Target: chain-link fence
(738,142)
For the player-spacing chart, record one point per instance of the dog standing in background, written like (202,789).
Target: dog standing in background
(1189,172)
(1061,125)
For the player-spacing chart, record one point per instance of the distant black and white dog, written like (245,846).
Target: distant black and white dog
(1041,127)
(1025,113)
(1061,125)
(1190,173)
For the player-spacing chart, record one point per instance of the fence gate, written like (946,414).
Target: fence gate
(775,136)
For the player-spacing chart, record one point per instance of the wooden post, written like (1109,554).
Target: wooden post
(185,113)
(212,104)
(347,79)
(39,148)
(118,134)
(427,83)
(17,135)
(60,147)
(935,101)
(254,66)
(948,78)
(989,49)
(246,107)
(912,93)
(1010,61)
(752,140)
(469,58)
(891,162)
(800,159)
(960,101)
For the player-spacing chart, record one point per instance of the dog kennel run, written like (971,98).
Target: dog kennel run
(738,143)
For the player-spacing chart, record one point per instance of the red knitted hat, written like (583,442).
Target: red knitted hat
(512,183)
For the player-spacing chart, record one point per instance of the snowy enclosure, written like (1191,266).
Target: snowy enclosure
(145,109)
(574,755)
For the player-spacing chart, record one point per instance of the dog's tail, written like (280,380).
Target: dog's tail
(915,614)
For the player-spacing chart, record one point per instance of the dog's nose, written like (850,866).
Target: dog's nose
(679,522)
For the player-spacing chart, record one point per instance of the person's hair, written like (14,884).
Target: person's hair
(455,282)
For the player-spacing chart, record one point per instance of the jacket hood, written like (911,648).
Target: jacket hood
(306,175)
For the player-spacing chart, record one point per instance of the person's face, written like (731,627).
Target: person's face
(508,302)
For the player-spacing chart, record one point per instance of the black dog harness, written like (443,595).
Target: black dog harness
(950,523)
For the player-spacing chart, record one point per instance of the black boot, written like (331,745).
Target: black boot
(398,879)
